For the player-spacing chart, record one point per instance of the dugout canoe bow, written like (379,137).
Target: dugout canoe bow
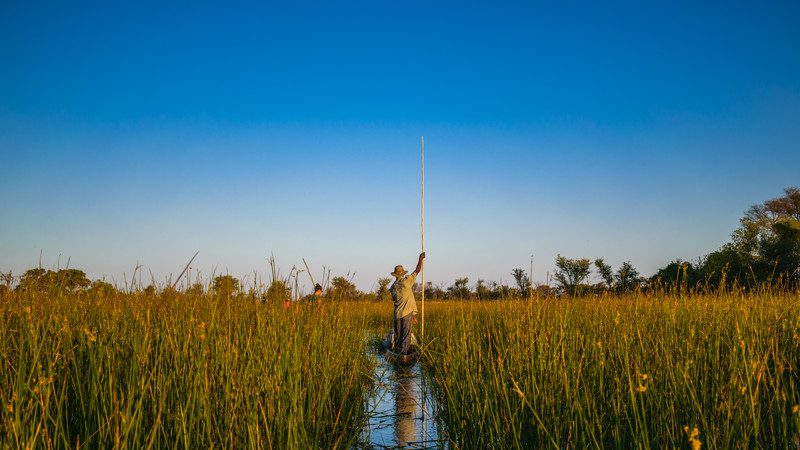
(401,360)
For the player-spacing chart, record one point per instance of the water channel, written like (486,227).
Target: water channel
(401,408)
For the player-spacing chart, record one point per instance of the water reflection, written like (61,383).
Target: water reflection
(400,408)
(406,393)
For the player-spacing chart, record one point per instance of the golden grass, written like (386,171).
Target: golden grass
(639,371)
(174,370)
(178,370)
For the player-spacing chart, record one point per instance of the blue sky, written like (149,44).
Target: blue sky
(142,133)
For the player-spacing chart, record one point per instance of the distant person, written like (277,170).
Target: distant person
(317,295)
(405,307)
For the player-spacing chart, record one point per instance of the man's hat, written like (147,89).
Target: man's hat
(398,271)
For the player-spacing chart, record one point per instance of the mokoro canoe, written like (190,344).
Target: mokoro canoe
(401,360)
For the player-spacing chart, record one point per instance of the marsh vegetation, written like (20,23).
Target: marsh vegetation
(169,368)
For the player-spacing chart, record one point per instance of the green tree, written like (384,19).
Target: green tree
(278,292)
(434,292)
(39,279)
(782,249)
(225,285)
(523,282)
(102,288)
(501,291)
(343,289)
(605,272)
(482,291)
(72,279)
(627,277)
(382,294)
(677,274)
(460,289)
(571,274)
(33,280)
(730,265)
(766,245)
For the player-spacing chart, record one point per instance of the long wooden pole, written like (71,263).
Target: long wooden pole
(531,277)
(184,270)
(422,214)
(309,273)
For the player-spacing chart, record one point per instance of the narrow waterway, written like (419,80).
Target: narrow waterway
(401,409)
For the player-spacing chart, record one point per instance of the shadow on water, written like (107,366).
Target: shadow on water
(401,409)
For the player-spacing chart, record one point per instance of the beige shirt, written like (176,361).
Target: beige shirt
(403,296)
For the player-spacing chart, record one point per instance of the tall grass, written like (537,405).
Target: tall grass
(193,371)
(177,370)
(644,371)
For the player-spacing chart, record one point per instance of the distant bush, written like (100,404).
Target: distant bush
(195,289)
(382,294)
(225,285)
(102,288)
(278,292)
(343,289)
(41,280)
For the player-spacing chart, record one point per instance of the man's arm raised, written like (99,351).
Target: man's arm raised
(419,263)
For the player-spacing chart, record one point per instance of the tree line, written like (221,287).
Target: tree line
(764,251)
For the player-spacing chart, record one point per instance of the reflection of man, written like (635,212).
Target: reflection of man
(405,403)
(405,307)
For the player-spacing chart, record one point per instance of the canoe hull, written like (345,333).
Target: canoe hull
(401,360)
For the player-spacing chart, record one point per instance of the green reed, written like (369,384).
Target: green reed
(177,370)
(722,371)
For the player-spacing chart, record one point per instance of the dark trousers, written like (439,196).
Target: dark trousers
(402,334)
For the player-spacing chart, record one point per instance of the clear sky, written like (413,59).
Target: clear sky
(143,132)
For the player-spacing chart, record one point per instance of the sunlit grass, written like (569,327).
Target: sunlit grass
(638,371)
(194,371)
(176,370)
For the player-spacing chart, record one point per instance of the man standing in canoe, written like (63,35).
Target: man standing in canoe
(405,307)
